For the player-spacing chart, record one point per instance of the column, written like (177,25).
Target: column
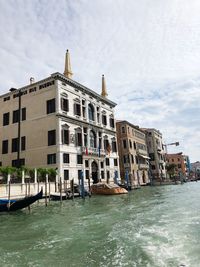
(23,176)
(35,175)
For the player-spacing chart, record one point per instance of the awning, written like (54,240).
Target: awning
(144,156)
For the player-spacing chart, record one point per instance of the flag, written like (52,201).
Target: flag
(86,151)
(108,149)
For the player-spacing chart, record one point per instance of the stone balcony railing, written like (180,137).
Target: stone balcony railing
(93,151)
(141,151)
(143,166)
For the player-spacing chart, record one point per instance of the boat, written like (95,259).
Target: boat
(14,204)
(68,194)
(107,189)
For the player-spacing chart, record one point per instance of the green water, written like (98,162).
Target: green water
(153,226)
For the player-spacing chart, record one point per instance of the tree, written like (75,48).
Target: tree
(171,170)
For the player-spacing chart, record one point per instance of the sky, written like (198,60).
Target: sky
(148,50)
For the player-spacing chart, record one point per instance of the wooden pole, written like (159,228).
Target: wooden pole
(9,195)
(72,188)
(29,192)
(45,192)
(49,190)
(60,190)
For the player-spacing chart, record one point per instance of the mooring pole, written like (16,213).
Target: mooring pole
(60,190)
(9,183)
(82,186)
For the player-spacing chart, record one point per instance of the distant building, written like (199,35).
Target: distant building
(156,154)
(58,123)
(133,153)
(195,169)
(181,162)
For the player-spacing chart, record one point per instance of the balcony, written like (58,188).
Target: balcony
(141,151)
(93,151)
(126,165)
(143,166)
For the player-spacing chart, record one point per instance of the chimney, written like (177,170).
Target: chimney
(32,80)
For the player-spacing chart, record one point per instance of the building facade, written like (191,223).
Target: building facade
(181,162)
(133,153)
(157,155)
(59,123)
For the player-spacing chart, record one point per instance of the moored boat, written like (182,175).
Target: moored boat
(107,189)
(13,205)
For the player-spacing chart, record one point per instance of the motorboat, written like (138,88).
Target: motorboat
(107,189)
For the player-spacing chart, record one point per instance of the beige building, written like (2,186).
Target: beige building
(133,153)
(62,125)
(156,154)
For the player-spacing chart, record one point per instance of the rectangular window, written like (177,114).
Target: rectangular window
(108,175)
(132,158)
(14,144)
(15,163)
(115,162)
(124,144)
(79,174)
(102,175)
(86,163)
(23,143)
(64,104)
(77,109)
(65,158)
(23,114)
(79,159)
(152,157)
(114,146)
(66,174)
(65,136)
(112,123)
(107,162)
(51,137)
(15,116)
(4,146)
(123,129)
(104,120)
(124,159)
(130,144)
(106,144)
(51,106)
(6,118)
(0,163)
(79,139)
(51,158)
(87,174)
(102,165)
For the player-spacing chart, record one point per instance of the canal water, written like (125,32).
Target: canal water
(152,226)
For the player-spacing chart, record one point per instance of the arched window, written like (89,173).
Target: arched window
(91,112)
(92,139)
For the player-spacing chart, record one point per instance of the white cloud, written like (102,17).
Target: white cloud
(148,50)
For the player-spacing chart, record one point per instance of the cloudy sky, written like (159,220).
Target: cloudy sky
(149,51)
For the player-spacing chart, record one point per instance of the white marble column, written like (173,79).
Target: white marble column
(35,175)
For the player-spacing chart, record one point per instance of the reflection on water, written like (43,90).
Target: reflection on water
(153,226)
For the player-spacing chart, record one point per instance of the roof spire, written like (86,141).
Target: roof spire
(104,91)
(68,72)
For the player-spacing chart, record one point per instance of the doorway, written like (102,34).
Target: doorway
(95,172)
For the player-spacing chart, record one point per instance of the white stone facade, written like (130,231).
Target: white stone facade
(80,120)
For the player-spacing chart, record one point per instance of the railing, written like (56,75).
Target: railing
(142,151)
(93,151)
(143,166)
(126,165)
